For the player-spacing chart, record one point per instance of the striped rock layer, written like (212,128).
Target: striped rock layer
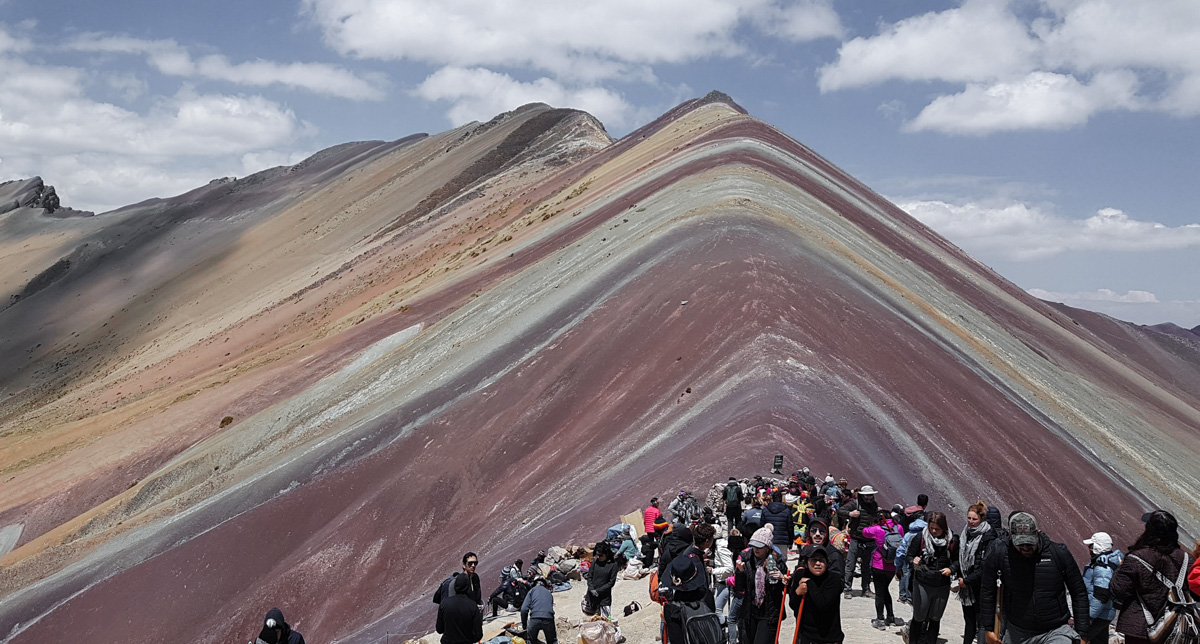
(317,386)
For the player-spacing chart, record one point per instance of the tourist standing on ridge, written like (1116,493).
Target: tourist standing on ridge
(933,556)
(276,630)
(537,613)
(737,543)
(752,518)
(459,620)
(685,583)
(883,567)
(818,539)
(903,568)
(1037,574)
(761,571)
(470,562)
(821,591)
(973,545)
(856,515)
(779,515)
(913,512)
(722,569)
(651,516)
(1135,586)
(601,579)
(1097,576)
(733,504)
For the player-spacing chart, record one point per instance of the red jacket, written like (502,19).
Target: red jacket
(652,514)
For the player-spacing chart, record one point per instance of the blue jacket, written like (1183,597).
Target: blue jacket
(538,604)
(914,529)
(1097,575)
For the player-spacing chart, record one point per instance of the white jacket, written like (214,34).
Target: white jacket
(723,561)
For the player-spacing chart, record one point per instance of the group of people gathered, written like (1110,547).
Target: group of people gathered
(728,570)
(1014,583)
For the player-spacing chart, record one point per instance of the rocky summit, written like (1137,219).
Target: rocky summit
(318,385)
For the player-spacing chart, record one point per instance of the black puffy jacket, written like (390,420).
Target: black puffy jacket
(928,573)
(1035,588)
(868,514)
(779,516)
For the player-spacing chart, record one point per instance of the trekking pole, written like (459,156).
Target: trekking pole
(799,613)
(782,607)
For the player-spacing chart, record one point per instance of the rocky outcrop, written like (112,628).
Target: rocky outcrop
(34,193)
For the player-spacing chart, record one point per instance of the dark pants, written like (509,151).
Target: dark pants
(971,632)
(859,550)
(759,630)
(924,632)
(541,625)
(1097,632)
(883,594)
(734,518)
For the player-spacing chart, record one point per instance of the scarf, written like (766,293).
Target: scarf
(928,543)
(760,585)
(968,545)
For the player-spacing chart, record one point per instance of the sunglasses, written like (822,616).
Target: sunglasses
(472,563)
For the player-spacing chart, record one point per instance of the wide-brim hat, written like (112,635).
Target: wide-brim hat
(687,573)
(867,489)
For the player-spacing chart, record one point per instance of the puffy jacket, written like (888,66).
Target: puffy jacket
(928,573)
(650,516)
(914,529)
(722,561)
(878,534)
(1133,586)
(1096,576)
(601,579)
(743,585)
(779,515)
(868,514)
(1035,588)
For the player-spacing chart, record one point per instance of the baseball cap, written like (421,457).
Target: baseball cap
(1023,528)
(1100,542)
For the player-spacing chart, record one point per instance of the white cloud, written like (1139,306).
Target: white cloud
(101,156)
(11,43)
(1139,307)
(1100,295)
(1022,231)
(1039,101)
(478,94)
(169,58)
(979,41)
(1052,65)
(801,21)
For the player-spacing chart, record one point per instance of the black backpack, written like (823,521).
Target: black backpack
(731,493)
(891,542)
(701,625)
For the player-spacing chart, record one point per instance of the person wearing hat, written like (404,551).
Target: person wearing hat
(1037,575)
(821,591)
(863,511)
(1096,577)
(686,581)
(760,579)
(276,630)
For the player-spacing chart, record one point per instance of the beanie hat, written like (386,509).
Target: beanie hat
(762,537)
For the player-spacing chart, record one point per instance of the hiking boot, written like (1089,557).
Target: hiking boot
(897,621)
(879,623)
(848,595)
(868,594)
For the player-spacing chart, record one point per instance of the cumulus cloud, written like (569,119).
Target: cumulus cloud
(101,155)
(1047,65)
(1039,101)
(1139,307)
(1022,231)
(478,94)
(170,58)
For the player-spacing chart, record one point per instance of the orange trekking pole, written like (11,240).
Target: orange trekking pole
(799,613)
(782,607)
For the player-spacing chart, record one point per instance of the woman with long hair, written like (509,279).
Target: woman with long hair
(1136,586)
(882,570)
(973,544)
(933,556)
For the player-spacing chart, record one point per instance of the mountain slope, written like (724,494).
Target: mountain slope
(502,336)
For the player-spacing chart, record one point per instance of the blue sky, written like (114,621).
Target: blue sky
(1056,140)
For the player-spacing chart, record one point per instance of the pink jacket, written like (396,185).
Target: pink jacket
(879,533)
(652,514)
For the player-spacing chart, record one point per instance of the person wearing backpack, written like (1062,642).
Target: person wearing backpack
(1097,576)
(1137,588)
(860,513)
(691,611)
(903,569)
(733,504)
(887,535)
(973,544)
(779,515)
(1038,576)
